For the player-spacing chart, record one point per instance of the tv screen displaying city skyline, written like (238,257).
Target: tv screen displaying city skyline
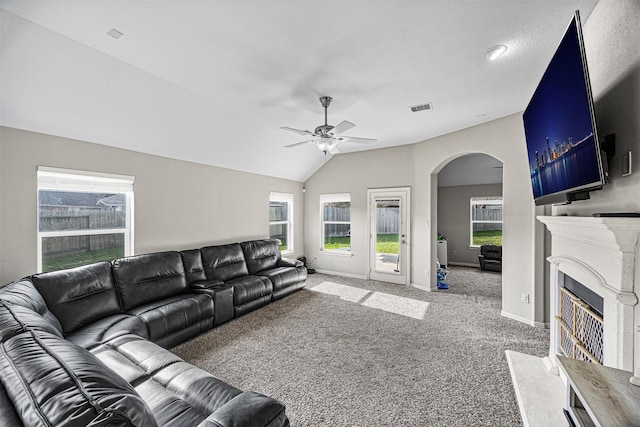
(561,139)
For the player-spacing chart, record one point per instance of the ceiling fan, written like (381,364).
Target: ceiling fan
(327,137)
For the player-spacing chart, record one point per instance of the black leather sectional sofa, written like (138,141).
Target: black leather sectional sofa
(88,346)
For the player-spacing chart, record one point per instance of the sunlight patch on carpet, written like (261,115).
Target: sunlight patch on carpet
(407,307)
(399,305)
(347,293)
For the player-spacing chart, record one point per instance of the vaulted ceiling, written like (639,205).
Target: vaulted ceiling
(211,81)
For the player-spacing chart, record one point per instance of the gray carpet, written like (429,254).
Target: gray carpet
(364,359)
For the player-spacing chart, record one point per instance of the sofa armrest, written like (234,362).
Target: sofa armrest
(205,284)
(287,262)
(248,409)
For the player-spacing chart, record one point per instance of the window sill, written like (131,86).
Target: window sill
(336,253)
(287,252)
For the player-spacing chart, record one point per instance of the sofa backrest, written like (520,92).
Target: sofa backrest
(15,319)
(24,294)
(142,279)
(78,389)
(79,296)
(224,262)
(491,252)
(193,268)
(261,254)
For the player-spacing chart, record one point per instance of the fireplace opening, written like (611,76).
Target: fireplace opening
(581,322)
(595,301)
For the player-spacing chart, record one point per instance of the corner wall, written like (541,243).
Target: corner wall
(178,204)
(417,166)
(503,139)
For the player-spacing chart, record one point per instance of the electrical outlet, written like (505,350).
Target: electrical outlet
(524,298)
(426,273)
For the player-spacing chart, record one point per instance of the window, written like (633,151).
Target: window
(281,220)
(335,211)
(486,221)
(83,217)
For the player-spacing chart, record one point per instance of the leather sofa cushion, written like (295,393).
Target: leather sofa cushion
(143,279)
(193,265)
(249,288)
(224,262)
(15,319)
(24,294)
(178,393)
(52,382)
(261,254)
(107,328)
(169,315)
(79,296)
(282,277)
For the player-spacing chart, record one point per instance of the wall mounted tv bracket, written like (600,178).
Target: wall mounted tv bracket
(607,151)
(608,147)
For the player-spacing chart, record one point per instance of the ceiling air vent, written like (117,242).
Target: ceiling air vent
(115,34)
(422,107)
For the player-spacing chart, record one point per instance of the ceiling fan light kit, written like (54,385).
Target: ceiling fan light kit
(325,136)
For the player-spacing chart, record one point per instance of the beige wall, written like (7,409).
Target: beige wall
(352,173)
(612,41)
(453,219)
(178,205)
(504,140)
(417,166)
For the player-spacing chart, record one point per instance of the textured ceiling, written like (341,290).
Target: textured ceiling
(211,81)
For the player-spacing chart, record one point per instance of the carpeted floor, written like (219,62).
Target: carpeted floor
(350,352)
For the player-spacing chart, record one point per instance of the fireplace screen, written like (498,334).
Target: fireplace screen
(581,329)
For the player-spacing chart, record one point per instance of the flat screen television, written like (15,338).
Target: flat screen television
(562,142)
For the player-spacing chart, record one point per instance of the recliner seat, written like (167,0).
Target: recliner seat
(227,263)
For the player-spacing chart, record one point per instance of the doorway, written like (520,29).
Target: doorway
(389,249)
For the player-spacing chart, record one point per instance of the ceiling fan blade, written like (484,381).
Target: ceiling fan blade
(343,126)
(298,143)
(298,131)
(357,139)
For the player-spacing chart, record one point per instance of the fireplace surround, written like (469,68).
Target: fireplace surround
(601,254)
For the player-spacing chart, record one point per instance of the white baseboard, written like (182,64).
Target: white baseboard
(550,366)
(521,319)
(424,288)
(337,273)
(464,264)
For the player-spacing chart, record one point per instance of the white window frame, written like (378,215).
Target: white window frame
(490,200)
(83,181)
(333,198)
(288,199)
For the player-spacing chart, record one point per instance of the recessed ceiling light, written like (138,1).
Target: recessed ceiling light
(495,52)
(113,33)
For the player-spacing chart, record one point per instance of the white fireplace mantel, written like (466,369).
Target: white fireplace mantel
(602,254)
